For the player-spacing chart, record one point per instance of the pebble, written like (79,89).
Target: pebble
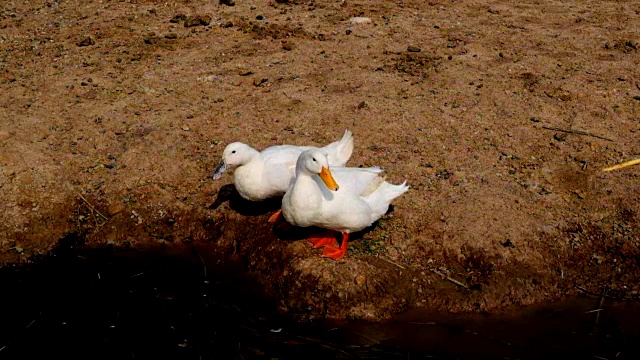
(360,20)
(186,128)
(259,82)
(360,280)
(150,38)
(412,48)
(178,18)
(4,135)
(287,45)
(197,20)
(86,41)
(115,208)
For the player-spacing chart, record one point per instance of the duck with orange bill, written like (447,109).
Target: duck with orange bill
(340,199)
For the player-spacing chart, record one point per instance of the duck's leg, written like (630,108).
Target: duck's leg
(337,253)
(320,240)
(276,217)
(279,222)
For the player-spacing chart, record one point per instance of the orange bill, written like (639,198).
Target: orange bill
(328,179)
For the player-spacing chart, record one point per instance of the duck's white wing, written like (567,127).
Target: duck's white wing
(280,165)
(355,180)
(339,152)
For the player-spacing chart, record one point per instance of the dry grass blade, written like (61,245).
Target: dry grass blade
(450,279)
(391,262)
(578,132)
(623,165)
(92,208)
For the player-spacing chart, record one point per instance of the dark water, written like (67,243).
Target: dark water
(131,304)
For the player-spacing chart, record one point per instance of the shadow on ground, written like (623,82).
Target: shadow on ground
(190,302)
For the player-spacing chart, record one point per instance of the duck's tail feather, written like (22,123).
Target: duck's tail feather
(373,186)
(381,194)
(340,151)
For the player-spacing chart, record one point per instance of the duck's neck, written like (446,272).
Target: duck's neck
(305,191)
(250,155)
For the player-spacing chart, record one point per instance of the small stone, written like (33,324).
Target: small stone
(115,208)
(150,38)
(228,2)
(227,25)
(259,17)
(4,135)
(197,20)
(259,82)
(186,128)
(360,20)
(178,18)
(412,48)
(171,36)
(86,41)
(560,137)
(287,45)
(508,244)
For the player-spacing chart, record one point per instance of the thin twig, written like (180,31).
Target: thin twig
(391,262)
(92,208)
(204,265)
(450,278)
(579,132)
(623,165)
(599,307)
(586,291)
(325,344)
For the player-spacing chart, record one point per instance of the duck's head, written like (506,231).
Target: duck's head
(314,162)
(234,155)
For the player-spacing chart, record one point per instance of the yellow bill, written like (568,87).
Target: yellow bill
(328,179)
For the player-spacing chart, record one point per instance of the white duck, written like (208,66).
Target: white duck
(358,199)
(262,175)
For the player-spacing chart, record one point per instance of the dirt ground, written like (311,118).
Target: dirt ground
(114,113)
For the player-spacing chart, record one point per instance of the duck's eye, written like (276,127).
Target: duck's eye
(314,159)
(233,152)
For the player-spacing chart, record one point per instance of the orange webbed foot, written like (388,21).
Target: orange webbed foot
(337,253)
(320,240)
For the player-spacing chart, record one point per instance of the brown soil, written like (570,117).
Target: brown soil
(114,113)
